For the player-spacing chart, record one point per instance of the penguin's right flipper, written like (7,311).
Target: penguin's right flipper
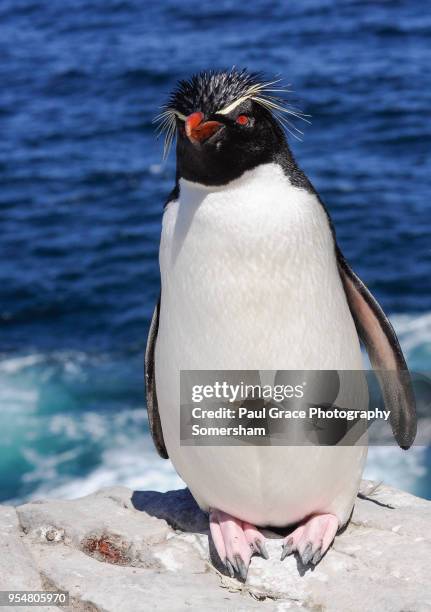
(150,386)
(387,359)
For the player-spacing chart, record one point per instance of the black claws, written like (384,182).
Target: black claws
(317,556)
(287,549)
(261,548)
(229,568)
(237,566)
(307,556)
(241,568)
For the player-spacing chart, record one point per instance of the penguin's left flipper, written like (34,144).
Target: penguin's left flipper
(387,359)
(150,386)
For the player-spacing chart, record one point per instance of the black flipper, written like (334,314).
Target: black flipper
(150,385)
(387,359)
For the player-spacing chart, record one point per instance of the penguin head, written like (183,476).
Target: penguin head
(225,123)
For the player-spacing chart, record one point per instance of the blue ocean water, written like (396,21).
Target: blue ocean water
(83,183)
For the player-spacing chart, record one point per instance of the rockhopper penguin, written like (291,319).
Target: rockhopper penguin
(252,278)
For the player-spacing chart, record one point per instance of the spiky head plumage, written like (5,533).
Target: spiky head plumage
(219,92)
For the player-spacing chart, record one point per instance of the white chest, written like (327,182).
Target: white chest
(250,282)
(249,278)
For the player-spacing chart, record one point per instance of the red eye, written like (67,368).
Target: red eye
(243,120)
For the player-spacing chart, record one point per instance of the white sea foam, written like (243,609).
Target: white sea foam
(414,331)
(136,466)
(14,365)
(396,467)
(139,467)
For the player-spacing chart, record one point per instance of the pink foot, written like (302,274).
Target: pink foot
(312,539)
(235,541)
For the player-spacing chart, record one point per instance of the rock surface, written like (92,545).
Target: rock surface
(118,550)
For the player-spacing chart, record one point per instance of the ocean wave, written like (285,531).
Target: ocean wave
(134,465)
(414,331)
(396,467)
(15,365)
(138,467)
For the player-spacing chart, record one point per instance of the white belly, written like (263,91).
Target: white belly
(249,281)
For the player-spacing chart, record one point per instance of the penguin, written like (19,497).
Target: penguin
(252,279)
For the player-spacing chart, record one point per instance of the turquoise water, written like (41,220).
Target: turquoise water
(83,186)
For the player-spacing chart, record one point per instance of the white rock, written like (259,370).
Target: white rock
(18,569)
(118,550)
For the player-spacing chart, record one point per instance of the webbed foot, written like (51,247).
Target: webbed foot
(235,541)
(311,539)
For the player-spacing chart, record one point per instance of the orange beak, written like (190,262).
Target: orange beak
(199,131)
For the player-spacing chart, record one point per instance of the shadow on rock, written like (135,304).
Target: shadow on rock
(180,511)
(177,508)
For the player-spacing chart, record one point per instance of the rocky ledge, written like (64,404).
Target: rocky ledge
(121,550)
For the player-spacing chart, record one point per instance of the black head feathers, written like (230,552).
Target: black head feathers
(219,93)
(214,91)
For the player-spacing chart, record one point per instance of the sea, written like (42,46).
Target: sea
(83,182)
